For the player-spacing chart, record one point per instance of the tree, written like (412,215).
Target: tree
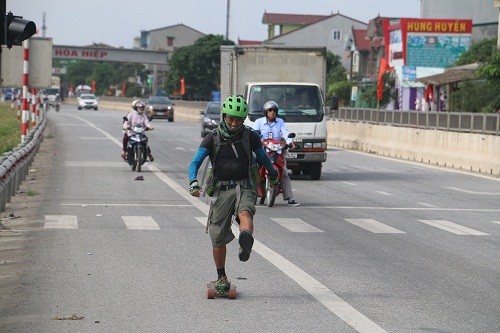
(105,74)
(199,65)
(482,94)
(336,79)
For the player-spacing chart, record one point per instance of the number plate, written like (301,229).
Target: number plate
(160,113)
(291,155)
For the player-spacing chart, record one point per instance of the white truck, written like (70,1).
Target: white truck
(293,77)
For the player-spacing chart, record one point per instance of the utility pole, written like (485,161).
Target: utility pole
(497,5)
(44,27)
(227,18)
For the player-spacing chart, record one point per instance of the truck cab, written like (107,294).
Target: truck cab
(302,108)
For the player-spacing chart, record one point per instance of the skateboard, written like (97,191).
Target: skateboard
(213,293)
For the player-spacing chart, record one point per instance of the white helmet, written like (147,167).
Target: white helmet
(139,106)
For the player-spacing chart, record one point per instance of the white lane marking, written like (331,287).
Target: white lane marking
(472,192)
(106,134)
(295,225)
(99,164)
(86,138)
(427,204)
(61,222)
(179,148)
(123,204)
(454,228)
(489,210)
(497,222)
(383,193)
(140,223)
(348,183)
(375,226)
(330,300)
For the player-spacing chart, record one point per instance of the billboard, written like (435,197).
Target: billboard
(426,42)
(39,65)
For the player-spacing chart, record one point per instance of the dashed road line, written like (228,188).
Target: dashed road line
(375,226)
(140,223)
(61,222)
(472,192)
(295,225)
(454,228)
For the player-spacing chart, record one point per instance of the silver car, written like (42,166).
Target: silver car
(210,118)
(88,101)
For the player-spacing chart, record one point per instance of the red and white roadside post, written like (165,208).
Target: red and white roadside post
(33,107)
(26,112)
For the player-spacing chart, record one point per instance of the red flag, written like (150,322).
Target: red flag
(183,87)
(384,67)
(93,86)
(124,88)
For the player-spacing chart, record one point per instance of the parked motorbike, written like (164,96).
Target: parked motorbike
(275,149)
(137,148)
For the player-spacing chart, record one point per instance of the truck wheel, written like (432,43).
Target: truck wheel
(315,171)
(296,172)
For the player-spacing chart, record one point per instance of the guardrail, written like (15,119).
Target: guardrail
(483,123)
(14,165)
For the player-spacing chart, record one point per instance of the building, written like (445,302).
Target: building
(481,12)
(279,24)
(166,39)
(330,32)
(358,46)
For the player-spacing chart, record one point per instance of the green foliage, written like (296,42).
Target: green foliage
(475,97)
(478,52)
(10,128)
(341,89)
(336,79)
(482,95)
(490,70)
(367,92)
(334,70)
(105,74)
(199,65)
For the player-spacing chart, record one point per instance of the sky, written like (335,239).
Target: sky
(118,22)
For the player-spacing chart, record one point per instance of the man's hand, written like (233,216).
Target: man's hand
(274,181)
(194,188)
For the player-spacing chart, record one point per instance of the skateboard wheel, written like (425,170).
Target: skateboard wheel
(231,294)
(210,293)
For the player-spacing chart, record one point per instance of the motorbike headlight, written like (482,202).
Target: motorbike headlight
(275,146)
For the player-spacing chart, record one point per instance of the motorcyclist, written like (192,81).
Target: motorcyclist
(272,127)
(135,118)
(230,148)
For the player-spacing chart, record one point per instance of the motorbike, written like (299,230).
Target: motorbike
(57,103)
(46,103)
(275,149)
(137,148)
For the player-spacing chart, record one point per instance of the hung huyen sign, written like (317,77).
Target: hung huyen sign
(426,42)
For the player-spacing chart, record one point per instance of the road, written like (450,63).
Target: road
(377,245)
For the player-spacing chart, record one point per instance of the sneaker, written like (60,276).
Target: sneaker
(222,285)
(246,243)
(151,158)
(293,203)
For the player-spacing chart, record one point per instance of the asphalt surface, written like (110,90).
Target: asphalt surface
(377,245)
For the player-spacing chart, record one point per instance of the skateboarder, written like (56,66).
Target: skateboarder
(231,183)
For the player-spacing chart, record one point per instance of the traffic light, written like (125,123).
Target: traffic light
(14,29)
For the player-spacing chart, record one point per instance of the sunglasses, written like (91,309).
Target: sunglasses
(272,110)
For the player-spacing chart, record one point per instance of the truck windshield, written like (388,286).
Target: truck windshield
(297,103)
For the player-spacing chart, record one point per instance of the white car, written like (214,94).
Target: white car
(88,101)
